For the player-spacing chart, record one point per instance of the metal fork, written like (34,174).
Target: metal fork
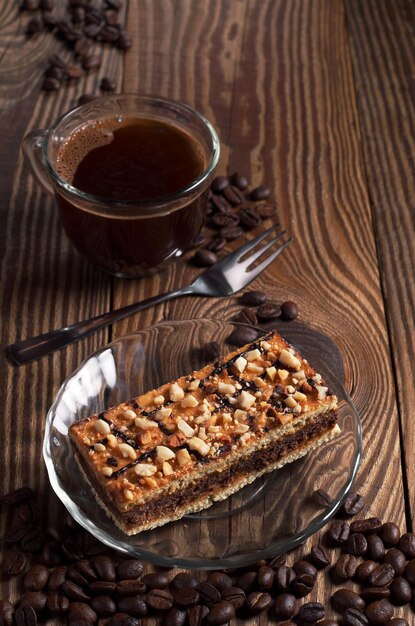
(224,278)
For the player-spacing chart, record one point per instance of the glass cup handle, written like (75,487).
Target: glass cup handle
(34,150)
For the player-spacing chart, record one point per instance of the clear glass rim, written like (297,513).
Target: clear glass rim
(280,546)
(155,203)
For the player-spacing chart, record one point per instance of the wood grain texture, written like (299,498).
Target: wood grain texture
(383,61)
(333,139)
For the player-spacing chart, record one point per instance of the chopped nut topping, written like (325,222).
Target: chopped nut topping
(240,364)
(193,385)
(283,374)
(254,368)
(241,429)
(290,402)
(176,392)
(144,423)
(130,414)
(164,453)
(265,345)
(183,457)
(317,378)
(195,443)
(239,414)
(150,482)
(321,391)
(288,359)
(246,400)
(86,441)
(299,375)
(297,409)
(290,389)
(128,494)
(271,372)
(189,401)
(253,355)
(226,389)
(112,441)
(184,428)
(299,396)
(127,450)
(167,469)
(145,469)
(226,417)
(159,399)
(99,447)
(145,438)
(163,413)
(107,471)
(102,427)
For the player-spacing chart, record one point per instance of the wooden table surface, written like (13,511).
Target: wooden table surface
(315,99)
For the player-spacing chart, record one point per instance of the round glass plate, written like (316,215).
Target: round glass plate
(273,515)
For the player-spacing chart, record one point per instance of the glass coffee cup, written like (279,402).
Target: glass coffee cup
(125,226)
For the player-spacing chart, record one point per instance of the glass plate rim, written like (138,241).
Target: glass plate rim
(271,550)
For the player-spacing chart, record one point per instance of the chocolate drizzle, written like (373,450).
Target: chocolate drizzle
(124,469)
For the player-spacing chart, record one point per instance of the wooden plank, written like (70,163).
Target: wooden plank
(383,60)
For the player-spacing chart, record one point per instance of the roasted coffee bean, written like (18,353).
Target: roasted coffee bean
(346,566)
(302,585)
(253,298)
(104,606)
(71,550)
(366,526)
(17,496)
(370,594)
(204,258)
(219,205)
(320,556)
(186,596)
(285,607)
(407,545)
(220,614)
(93,61)
(133,605)
(381,576)
(105,587)
(110,17)
(34,540)
(265,578)
(57,603)
(220,220)
(247,581)
(390,534)
(36,578)
(242,335)
(260,193)
(74,592)
(339,531)
(304,567)
(51,84)
(25,513)
(175,617)
(311,612)
(343,599)
(156,580)
(123,619)
(104,568)
(124,41)
(183,579)
(209,595)
(216,244)
(33,26)
(246,316)
(356,544)
(57,577)
(248,217)
(354,617)
(15,533)
(268,311)
(266,210)
(50,554)
(234,595)
(353,504)
(107,84)
(6,613)
(57,533)
(219,183)
(400,590)
(14,561)
(375,548)
(76,576)
(397,621)
(409,572)
(233,195)
(231,232)
(35,599)
(328,622)
(397,559)
(30,5)
(320,496)
(276,561)
(82,611)
(85,567)
(379,612)
(364,570)
(239,180)
(289,311)
(161,599)
(74,71)
(197,614)
(258,601)
(283,577)
(55,72)
(220,580)
(129,568)
(109,34)
(25,616)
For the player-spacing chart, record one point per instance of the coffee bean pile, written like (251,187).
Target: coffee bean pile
(73,576)
(233,209)
(87,24)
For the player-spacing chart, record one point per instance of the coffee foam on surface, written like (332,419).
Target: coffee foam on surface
(82,140)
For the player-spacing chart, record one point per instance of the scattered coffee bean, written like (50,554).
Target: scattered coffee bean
(379,612)
(36,578)
(266,210)
(356,544)
(51,84)
(268,311)
(375,548)
(208,594)
(216,244)
(183,579)
(346,566)
(371,594)
(14,562)
(104,606)
(289,311)
(381,576)
(74,592)
(365,526)
(239,180)
(219,184)
(258,601)
(25,616)
(277,561)
(85,98)
(125,587)
(57,578)
(85,567)
(13,498)
(320,556)
(220,614)
(35,599)
(322,498)
(285,607)
(242,335)
(407,545)
(34,540)
(364,570)
(343,599)
(233,195)
(265,577)
(33,26)
(231,232)
(82,611)
(246,316)
(133,605)
(354,617)
(353,504)
(283,577)
(390,534)
(247,581)
(260,193)
(204,258)
(57,603)
(311,612)
(175,617)
(186,596)
(339,531)
(220,580)
(129,568)
(197,614)
(304,567)
(220,220)
(123,619)
(302,585)
(397,621)
(328,622)
(397,559)
(6,613)
(253,298)
(76,576)
(400,591)
(234,595)
(249,218)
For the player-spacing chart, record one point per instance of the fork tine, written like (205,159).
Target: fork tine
(257,270)
(255,255)
(238,254)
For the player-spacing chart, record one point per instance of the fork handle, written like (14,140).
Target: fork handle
(34,348)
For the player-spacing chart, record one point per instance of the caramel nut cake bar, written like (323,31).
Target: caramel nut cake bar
(181,447)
